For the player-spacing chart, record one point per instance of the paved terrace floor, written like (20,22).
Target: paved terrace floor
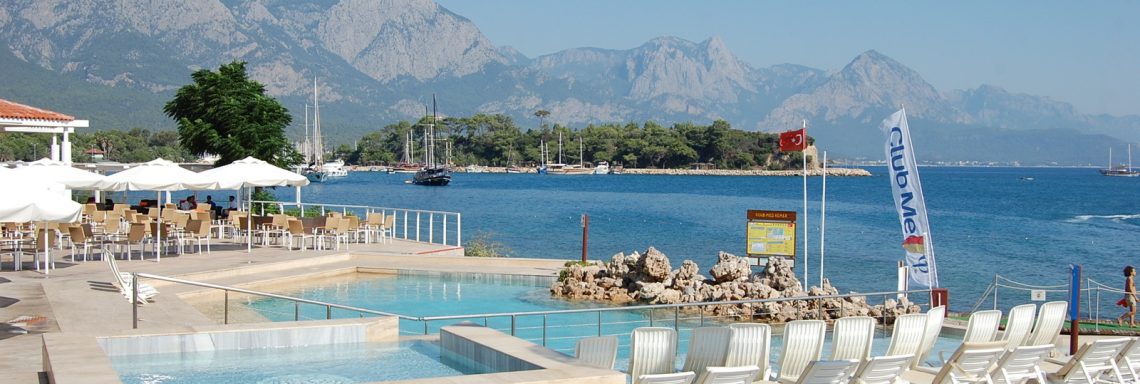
(79,297)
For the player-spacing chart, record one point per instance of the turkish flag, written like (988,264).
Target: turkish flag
(793,141)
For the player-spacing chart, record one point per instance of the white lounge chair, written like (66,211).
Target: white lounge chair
(1050,319)
(1090,362)
(667,378)
(982,326)
(599,351)
(730,375)
(1129,361)
(907,335)
(829,372)
(750,344)
(802,344)
(970,363)
(1018,325)
(1021,364)
(881,369)
(652,351)
(125,279)
(851,338)
(934,318)
(708,347)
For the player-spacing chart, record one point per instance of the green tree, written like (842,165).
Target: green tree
(227,114)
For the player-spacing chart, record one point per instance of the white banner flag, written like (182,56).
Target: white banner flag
(907,191)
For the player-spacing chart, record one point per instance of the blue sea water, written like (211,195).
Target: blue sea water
(1027,224)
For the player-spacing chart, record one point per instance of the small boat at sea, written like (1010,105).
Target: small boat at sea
(319,171)
(603,168)
(560,168)
(1120,170)
(433,176)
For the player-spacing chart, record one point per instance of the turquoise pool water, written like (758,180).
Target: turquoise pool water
(461,294)
(331,364)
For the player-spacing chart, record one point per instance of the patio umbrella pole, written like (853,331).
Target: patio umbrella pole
(157,230)
(249,227)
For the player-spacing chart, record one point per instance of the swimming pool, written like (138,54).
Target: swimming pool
(417,294)
(332,363)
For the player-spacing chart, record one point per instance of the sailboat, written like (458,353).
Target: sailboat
(1120,170)
(318,170)
(431,173)
(570,169)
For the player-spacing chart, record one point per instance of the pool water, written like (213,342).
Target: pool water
(333,364)
(464,294)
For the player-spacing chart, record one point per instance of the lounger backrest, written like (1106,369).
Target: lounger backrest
(666,378)
(934,318)
(982,326)
(707,348)
(389,221)
(907,335)
(851,338)
(296,228)
(1129,360)
(376,219)
(1018,325)
(802,344)
(599,351)
(1092,360)
(1050,319)
(1021,364)
(828,372)
(77,235)
(881,369)
(652,350)
(749,344)
(729,375)
(970,362)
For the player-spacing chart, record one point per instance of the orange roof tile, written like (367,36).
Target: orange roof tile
(12,110)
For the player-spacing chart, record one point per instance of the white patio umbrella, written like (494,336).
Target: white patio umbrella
(160,175)
(70,177)
(23,199)
(251,172)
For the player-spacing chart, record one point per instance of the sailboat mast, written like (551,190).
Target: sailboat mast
(318,144)
(306,144)
(1129,157)
(581,157)
(434,118)
(560,148)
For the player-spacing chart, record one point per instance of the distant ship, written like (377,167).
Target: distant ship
(1120,170)
(431,174)
(319,171)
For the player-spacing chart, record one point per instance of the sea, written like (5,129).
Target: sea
(1020,227)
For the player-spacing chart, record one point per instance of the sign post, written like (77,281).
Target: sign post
(770,234)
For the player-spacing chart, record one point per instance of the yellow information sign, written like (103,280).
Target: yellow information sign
(772,238)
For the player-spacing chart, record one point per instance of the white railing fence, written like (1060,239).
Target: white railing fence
(432,227)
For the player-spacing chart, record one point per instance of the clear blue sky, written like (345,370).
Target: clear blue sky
(1084,53)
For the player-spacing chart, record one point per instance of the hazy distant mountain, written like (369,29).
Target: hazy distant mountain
(379,61)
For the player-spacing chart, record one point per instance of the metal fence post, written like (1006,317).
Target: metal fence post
(226,307)
(328,312)
(676,318)
(458,230)
(513,319)
(599,323)
(431,227)
(134,299)
(543,330)
(296,311)
(418,227)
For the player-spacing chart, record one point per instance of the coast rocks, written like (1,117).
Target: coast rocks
(647,278)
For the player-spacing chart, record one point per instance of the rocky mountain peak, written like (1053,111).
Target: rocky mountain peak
(679,69)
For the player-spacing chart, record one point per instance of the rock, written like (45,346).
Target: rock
(653,266)
(729,267)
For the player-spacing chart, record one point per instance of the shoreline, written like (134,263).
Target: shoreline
(838,171)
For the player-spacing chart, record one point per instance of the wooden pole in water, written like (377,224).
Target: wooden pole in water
(1074,309)
(585,234)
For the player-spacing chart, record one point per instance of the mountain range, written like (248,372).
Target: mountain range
(115,62)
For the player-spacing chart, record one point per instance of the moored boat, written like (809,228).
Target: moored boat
(1120,170)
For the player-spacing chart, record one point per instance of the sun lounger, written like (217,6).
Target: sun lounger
(1050,319)
(708,347)
(970,363)
(667,378)
(600,351)
(1018,325)
(652,351)
(1021,364)
(907,335)
(1090,362)
(750,344)
(982,326)
(802,344)
(1129,361)
(851,338)
(729,375)
(124,281)
(934,318)
(881,369)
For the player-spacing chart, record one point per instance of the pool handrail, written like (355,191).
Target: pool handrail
(513,315)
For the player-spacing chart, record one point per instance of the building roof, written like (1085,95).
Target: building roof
(11,110)
(94,151)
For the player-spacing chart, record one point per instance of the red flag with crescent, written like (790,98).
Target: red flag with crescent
(914,244)
(793,141)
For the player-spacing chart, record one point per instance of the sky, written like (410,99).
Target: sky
(1084,53)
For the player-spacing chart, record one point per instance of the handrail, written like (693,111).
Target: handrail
(513,315)
(136,275)
(407,225)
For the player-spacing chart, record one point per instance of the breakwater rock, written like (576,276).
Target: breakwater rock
(647,278)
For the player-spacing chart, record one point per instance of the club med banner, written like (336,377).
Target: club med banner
(907,191)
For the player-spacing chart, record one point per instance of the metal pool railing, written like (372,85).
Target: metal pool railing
(543,327)
(433,227)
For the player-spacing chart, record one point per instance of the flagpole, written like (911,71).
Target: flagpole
(822,218)
(804,158)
